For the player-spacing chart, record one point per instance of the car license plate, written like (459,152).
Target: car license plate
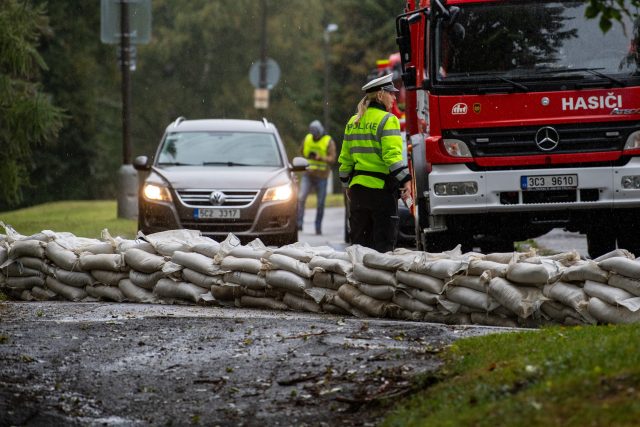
(202,213)
(548,182)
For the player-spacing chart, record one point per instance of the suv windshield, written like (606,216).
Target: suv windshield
(220,148)
(531,39)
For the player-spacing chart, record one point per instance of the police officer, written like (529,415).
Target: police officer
(372,168)
(320,151)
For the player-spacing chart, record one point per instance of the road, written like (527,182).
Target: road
(333,234)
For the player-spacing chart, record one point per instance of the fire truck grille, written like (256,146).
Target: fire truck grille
(521,141)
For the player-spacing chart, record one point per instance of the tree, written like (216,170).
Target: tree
(611,10)
(28,118)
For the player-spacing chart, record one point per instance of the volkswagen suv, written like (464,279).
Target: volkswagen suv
(221,176)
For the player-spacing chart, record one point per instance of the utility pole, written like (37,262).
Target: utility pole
(125,56)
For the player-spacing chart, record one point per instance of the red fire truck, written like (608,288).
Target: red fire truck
(533,122)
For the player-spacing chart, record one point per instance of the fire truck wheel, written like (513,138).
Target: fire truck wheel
(600,242)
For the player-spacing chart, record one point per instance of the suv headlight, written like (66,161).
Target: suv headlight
(456,148)
(282,192)
(633,142)
(156,193)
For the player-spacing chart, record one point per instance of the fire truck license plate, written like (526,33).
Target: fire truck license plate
(202,213)
(548,182)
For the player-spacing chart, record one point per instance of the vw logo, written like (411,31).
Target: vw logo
(217,198)
(547,138)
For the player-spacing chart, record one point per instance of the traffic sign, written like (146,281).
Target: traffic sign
(272,74)
(139,21)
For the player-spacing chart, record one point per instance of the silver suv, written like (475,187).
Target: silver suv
(221,176)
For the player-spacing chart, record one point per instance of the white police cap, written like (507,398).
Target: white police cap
(381,83)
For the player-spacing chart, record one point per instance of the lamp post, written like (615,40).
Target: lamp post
(330,28)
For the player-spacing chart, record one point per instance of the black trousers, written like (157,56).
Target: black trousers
(373,218)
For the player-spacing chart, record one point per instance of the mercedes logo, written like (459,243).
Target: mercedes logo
(547,138)
(217,198)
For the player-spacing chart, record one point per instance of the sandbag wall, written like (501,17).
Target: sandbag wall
(183,267)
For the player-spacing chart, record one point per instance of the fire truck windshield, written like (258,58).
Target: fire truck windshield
(531,41)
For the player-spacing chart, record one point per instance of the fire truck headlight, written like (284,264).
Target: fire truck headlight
(455,188)
(631,182)
(633,142)
(456,148)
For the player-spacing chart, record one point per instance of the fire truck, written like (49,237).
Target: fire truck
(532,116)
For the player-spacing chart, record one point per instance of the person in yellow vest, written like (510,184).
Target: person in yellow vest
(320,151)
(372,168)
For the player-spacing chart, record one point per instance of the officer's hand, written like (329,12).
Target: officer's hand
(405,191)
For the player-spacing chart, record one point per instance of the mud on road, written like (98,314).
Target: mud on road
(129,364)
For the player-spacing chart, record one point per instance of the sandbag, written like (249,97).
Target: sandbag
(478,266)
(143,261)
(63,258)
(249,252)
(405,301)
(471,298)
(489,319)
(108,262)
(328,280)
(568,294)
(301,304)
(265,303)
(360,301)
(477,283)
(283,262)
(609,294)
(67,292)
(364,274)
(420,281)
(248,265)
(42,294)
(167,242)
(521,300)
(197,262)
(630,285)
(559,313)
(103,292)
(623,266)
(144,280)
(16,269)
(615,253)
(38,264)
(321,295)
(586,270)
(199,279)
(24,283)
(135,293)
(287,281)
(250,280)
(388,262)
(77,279)
(111,278)
(226,293)
(421,295)
(30,248)
(167,288)
(606,313)
(534,274)
(440,268)
(379,292)
(323,264)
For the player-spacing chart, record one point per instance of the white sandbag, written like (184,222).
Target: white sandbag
(362,302)
(24,283)
(534,274)
(250,280)
(319,263)
(249,252)
(63,258)
(606,313)
(584,270)
(295,302)
(623,266)
(615,253)
(342,304)
(109,262)
(144,280)
(379,292)
(287,281)
(357,252)
(471,298)
(283,262)
(226,293)
(478,266)
(389,262)
(199,279)
(505,257)
(568,294)
(31,248)
(67,292)
(96,247)
(110,293)
(421,295)
(121,245)
(609,294)
(489,319)
(207,247)
(521,300)
(167,288)
(372,276)
(170,241)
(16,269)
(559,312)
(143,261)
(334,309)
(321,295)
(405,301)
(110,278)
(440,268)
(630,285)
(197,262)
(263,303)
(42,294)
(135,293)
(77,279)
(248,265)
(420,281)
(302,251)
(328,280)
(565,258)
(37,264)
(477,283)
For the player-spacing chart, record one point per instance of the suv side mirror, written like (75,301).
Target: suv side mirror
(141,163)
(299,164)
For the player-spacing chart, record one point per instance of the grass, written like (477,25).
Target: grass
(82,218)
(550,377)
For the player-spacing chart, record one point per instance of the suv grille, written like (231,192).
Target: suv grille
(520,141)
(202,198)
